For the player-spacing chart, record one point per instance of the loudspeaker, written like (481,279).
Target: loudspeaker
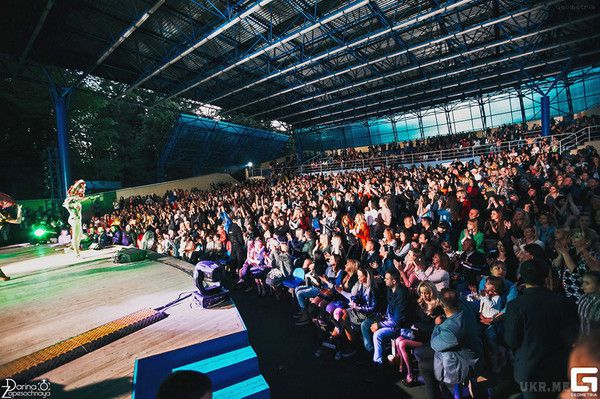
(127,255)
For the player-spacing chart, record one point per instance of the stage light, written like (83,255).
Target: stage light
(39,232)
(207,279)
(250,164)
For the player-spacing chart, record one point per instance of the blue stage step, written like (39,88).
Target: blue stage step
(229,361)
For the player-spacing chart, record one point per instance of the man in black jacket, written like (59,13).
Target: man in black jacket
(370,258)
(540,327)
(235,235)
(376,333)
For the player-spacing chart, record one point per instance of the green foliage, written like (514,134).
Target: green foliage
(109,140)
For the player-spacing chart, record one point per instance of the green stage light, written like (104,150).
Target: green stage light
(39,232)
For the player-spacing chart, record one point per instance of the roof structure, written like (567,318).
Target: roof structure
(208,145)
(308,62)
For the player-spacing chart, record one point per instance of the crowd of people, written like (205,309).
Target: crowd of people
(446,272)
(516,133)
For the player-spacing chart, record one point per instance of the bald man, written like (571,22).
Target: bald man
(585,355)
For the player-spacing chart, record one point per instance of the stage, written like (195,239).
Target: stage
(53,296)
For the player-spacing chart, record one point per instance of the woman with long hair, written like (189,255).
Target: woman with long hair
(437,273)
(75,196)
(387,249)
(574,261)
(361,229)
(348,281)
(333,277)
(347,230)
(361,305)
(428,310)
(403,244)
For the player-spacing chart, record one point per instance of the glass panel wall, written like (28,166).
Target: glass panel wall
(465,116)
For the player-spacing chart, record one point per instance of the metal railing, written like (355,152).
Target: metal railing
(566,141)
(259,172)
(575,139)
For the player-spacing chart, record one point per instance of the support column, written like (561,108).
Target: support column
(344,138)
(482,112)
(297,147)
(60,100)
(448,120)
(394,129)
(545,105)
(421,131)
(522,105)
(569,99)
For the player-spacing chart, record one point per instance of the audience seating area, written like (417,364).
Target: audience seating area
(407,264)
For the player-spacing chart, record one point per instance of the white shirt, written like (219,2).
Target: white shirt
(489,307)
(439,277)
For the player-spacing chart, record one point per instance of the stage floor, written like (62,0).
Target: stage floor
(53,296)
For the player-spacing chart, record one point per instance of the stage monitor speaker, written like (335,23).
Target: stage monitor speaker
(128,255)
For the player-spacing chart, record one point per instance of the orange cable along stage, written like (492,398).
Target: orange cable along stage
(89,326)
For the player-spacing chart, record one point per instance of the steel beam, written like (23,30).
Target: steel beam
(569,99)
(298,33)
(122,37)
(545,107)
(436,77)
(521,105)
(363,40)
(198,43)
(414,47)
(36,32)
(482,114)
(460,95)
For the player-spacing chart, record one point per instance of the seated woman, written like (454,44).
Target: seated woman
(388,245)
(437,273)
(281,267)
(347,232)
(589,304)
(574,261)
(334,276)
(252,259)
(428,310)
(260,267)
(348,281)
(311,289)
(337,246)
(404,243)
(361,229)
(412,262)
(361,305)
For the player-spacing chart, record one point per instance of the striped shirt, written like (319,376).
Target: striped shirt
(589,313)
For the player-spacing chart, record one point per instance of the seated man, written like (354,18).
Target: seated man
(470,266)
(397,316)
(455,341)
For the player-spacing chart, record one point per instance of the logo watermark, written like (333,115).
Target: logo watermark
(543,387)
(583,384)
(10,389)
(589,382)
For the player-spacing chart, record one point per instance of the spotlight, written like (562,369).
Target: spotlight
(39,232)
(207,279)
(250,164)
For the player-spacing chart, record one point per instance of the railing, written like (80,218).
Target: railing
(566,141)
(317,158)
(259,172)
(575,139)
